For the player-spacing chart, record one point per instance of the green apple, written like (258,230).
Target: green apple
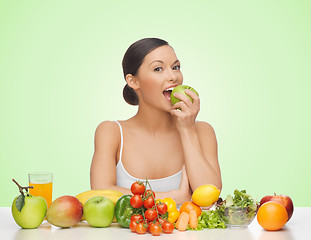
(181,89)
(99,211)
(28,211)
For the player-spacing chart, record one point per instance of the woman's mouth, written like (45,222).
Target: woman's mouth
(167,93)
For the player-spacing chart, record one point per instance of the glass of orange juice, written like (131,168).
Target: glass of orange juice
(42,183)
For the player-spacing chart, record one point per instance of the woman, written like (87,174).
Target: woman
(163,143)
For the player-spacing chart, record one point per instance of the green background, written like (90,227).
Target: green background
(61,75)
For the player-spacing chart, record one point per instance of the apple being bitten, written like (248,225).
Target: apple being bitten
(284,200)
(181,89)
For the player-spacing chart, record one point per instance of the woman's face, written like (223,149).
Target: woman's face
(159,72)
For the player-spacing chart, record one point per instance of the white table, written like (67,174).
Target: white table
(296,228)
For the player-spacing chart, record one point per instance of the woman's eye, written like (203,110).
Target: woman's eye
(158,69)
(177,67)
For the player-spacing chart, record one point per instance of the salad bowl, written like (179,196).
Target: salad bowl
(237,211)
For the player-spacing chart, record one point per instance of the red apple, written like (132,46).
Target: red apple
(284,200)
(65,211)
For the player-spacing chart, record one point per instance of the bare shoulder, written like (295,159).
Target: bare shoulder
(107,126)
(204,128)
(107,131)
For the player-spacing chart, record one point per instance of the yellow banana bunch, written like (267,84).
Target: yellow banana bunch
(113,195)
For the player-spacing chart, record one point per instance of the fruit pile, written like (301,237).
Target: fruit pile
(97,207)
(275,211)
(150,215)
(142,212)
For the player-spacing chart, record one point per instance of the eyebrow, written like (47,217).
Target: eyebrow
(163,62)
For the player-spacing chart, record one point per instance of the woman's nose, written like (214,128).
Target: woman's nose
(172,76)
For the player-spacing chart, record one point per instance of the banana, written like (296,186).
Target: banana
(113,195)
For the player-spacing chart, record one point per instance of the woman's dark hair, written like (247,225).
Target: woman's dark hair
(132,60)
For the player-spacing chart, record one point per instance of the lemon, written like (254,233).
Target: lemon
(205,195)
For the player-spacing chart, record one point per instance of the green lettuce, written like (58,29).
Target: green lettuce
(209,219)
(239,209)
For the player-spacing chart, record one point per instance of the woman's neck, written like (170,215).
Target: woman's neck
(154,120)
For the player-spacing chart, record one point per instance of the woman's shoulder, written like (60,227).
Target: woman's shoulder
(107,135)
(108,128)
(204,128)
(106,125)
(114,126)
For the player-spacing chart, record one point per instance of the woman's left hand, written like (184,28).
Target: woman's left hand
(186,111)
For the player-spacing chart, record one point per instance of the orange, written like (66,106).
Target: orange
(272,216)
(187,206)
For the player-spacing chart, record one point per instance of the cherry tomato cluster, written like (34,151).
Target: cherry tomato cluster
(150,215)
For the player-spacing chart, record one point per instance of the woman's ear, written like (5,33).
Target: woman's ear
(131,81)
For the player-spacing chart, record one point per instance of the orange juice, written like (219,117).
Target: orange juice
(43,190)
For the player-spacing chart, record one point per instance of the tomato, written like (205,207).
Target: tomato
(137,218)
(133,225)
(151,214)
(136,201)
(149,225)
(155,229)
(162,208)
(167,227)
(160,220)
(149,192)
(149,202)
(140,228)
(138,188)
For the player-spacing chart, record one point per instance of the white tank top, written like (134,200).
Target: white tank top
(124,179)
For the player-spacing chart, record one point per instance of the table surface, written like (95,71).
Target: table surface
(296,228)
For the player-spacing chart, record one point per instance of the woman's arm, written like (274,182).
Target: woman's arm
(103,167)
(199,143)
(200,151)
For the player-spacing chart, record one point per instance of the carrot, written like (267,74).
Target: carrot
(193,219)
(182,222)
(177,222)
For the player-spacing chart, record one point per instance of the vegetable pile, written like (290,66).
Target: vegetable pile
(141,212)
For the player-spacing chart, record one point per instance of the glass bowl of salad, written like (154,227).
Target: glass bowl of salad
(237,211)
